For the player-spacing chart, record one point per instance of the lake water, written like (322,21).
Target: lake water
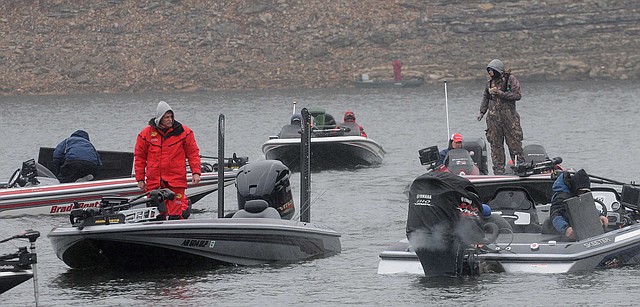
(591,125)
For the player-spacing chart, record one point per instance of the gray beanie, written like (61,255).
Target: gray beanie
(496,65)
(162,108)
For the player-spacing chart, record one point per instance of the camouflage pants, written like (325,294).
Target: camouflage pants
(501,129)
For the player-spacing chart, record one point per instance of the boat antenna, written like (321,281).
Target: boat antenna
(221,166)
(305,167)
(446,106)
(294,108)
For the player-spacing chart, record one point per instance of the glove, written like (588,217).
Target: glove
(495,91)
(480,115)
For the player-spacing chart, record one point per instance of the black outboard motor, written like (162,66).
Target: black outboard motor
(444,223)
(266,180)
(534,153)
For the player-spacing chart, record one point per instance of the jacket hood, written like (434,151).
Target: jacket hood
(81,134)
(349,116)
(496,65)
(580,180)
(162,108)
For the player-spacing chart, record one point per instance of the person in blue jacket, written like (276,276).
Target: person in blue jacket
(565,187)
(75,157)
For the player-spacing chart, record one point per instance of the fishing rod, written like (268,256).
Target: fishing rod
(607,180)
(446,104)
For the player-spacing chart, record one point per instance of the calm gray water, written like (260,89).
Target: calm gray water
(590,125)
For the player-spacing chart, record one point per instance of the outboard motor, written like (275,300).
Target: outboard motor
(534,153)
(444,224)
(268,181)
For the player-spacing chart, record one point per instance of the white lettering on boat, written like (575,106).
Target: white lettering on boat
(423,200)
(596,242)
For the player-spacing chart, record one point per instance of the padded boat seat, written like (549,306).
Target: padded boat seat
(503,225)
(257,208)
(354,129)
(290,132)
(517,207)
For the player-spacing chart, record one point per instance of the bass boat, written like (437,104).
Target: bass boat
(125,233)
(331,147)
(34,190)
(20,266)
(446,235)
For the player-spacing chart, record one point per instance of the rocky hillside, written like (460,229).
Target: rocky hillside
(85,46)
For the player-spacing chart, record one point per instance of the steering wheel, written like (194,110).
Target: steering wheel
(13,179)
(602,207)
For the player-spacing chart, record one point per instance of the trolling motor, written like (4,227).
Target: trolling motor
(22,259)
(234,162)
(120,210)
(527,169)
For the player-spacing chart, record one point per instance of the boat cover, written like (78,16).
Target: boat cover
(444,219)
(440,201)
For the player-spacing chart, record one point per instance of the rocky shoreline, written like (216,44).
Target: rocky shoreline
(67,47)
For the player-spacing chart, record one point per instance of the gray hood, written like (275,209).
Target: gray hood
(162,108)
(497,65)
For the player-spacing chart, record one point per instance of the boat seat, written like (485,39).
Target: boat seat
(290,132)
(503,225)
(517,207)
(257,208)
(354,128)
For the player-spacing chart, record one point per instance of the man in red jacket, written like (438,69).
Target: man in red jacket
(161,151)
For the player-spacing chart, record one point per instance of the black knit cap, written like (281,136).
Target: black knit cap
(580,181)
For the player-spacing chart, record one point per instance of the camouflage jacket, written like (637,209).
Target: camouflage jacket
(504,103)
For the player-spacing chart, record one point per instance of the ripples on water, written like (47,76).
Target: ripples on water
(591,125)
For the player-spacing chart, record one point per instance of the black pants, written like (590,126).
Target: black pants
(71,171)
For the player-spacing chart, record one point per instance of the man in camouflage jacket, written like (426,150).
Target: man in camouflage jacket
(503,121)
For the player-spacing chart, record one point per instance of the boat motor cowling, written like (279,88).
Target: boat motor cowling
(267,180)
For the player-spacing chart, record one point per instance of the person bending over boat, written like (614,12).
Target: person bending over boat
(565,187)
(455,142)
(350,117)
(75,157)
(161,151)
(503,121)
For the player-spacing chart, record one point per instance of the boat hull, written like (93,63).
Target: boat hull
(534,253)
(10,279)
(326,152)
(242,241)
(59,199)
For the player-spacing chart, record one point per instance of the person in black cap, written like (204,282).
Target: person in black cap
(565,187)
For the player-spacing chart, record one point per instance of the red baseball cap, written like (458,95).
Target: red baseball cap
(456,137)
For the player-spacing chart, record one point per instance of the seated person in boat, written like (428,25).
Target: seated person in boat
(292,130)
(350,121)
(565,187)
(455,142)
(75,158)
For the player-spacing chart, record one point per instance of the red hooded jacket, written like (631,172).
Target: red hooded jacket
(162,155)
